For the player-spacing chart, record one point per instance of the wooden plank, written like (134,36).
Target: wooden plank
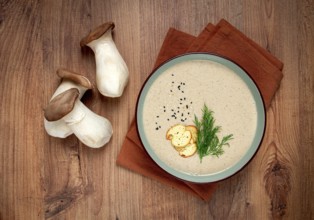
(21,100)
(275,167)
(64,169)
(305,54)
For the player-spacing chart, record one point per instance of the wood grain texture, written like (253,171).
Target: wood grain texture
(48,178)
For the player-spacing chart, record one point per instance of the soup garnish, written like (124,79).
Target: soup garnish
(201,138)
(208,142)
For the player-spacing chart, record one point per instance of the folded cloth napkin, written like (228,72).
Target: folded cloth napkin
(221,39)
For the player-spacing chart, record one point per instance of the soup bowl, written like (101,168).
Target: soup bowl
(176,93)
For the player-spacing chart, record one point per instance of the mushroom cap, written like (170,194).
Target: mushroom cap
(61,105)
(75,77)
(97,33)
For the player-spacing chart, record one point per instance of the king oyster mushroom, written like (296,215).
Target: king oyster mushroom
(112,73)
(90,128)
(70,80)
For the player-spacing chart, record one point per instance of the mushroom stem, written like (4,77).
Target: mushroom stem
(57,128)
(91,129)
(112,73)
(72,80)
(69,80)
(66,85)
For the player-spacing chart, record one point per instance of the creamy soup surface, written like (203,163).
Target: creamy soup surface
(180,92)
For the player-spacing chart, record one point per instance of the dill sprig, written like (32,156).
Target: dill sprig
(208,142)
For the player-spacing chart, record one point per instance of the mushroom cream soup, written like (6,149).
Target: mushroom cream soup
(180,92)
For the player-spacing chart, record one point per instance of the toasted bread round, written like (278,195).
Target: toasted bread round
(188,151)
(193,131)
(175,130)
(181,140)
(178,148)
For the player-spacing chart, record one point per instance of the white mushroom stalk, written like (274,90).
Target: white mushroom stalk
(91,129)
(69,80)
(112,73)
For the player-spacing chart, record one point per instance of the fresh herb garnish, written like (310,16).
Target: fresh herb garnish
(208,142)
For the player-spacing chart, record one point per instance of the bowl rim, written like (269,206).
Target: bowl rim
(248,156)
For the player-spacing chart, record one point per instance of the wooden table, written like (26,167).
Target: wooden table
(44,177)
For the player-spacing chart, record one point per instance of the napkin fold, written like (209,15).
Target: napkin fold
(221,39)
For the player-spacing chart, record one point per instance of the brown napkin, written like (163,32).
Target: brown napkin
(222,39)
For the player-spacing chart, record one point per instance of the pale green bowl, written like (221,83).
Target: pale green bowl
(261,120)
